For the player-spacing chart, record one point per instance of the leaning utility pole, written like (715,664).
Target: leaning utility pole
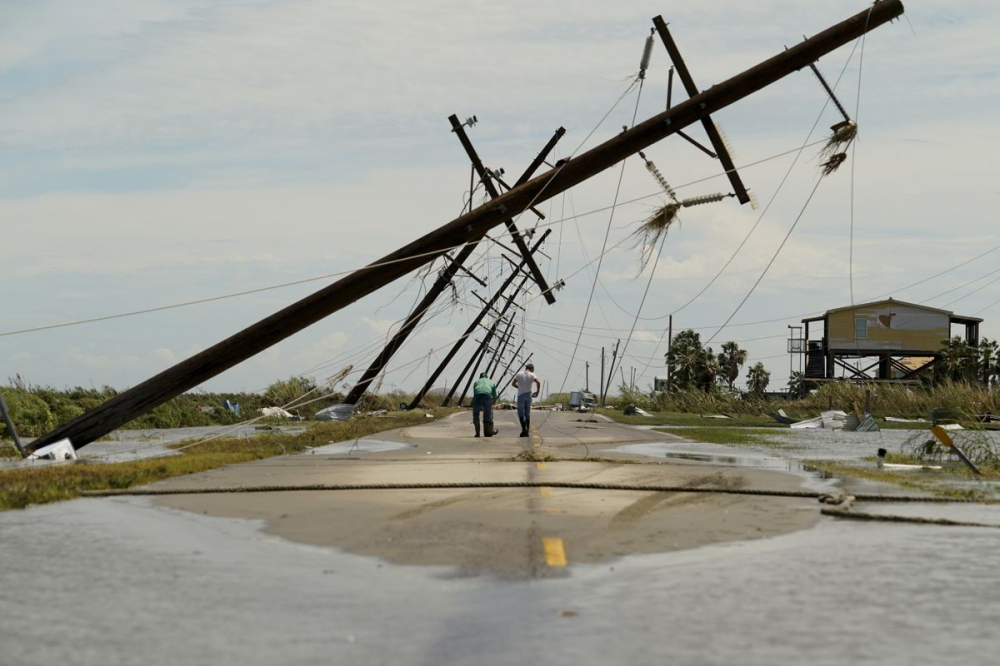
(486,178)
(509,363)
(477,357)
(611,372)
(472,327)
(444,278)
(503,377)
(494,363)
(467,228)
(486,341)
(10,428)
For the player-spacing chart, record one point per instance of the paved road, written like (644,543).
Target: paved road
(513,533)
(431,578)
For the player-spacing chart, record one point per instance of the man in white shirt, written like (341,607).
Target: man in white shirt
(523,383)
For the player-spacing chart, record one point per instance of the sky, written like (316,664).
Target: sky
(156,152)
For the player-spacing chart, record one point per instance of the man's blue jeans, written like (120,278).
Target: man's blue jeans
(524,406)
(482,402)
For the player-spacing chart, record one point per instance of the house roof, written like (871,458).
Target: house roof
(956,319)
(889,300)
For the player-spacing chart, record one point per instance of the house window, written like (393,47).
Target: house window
(860,328)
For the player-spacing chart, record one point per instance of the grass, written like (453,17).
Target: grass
(726,435)
(22,487)
(920,480)
(530,455)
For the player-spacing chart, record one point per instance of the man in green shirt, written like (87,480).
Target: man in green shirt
(484,392)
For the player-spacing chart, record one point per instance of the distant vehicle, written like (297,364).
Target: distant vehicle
(582,400)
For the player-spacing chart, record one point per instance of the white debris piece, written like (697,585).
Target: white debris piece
(642,412)
(61,450)
(276,412)
(832,420)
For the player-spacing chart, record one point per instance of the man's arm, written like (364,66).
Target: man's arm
(539,389)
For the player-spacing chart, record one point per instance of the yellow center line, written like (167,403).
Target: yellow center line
(545,491)
(540,465)
(555,553)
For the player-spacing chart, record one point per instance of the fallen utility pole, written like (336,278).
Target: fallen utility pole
(443,280)
(467,228)
(472,327)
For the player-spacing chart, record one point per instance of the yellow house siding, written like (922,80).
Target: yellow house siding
(891,326)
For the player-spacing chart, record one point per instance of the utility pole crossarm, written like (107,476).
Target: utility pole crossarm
(467,228)
(484,176)
(722,152)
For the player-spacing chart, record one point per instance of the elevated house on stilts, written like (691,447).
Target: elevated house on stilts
(884,340)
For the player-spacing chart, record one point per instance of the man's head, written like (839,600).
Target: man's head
(482,375)
(530,367)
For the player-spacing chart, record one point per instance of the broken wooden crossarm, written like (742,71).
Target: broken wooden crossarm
(714,137)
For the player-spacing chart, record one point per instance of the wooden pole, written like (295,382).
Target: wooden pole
(503,378)
(444,279)
(509,363)
(670,346)
(722,152)
(487,181)
(10,427)
(469,227)
(472,326)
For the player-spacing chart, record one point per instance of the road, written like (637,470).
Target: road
(491,576)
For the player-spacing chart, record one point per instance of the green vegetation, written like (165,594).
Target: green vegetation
(37,410)
(40,484)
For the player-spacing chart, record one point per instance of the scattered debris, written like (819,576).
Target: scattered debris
(61,450)
(830,420)
(642,412)
(855,423)
(897,419)
(781,417)
(276,412)
(652,230)
(715,416)
(833,163)
(945,438)
(339,412)
(233,407)
(843,135)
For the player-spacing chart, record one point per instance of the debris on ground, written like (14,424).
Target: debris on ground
(61,450)
(276,412)
(897,419)
(339,412)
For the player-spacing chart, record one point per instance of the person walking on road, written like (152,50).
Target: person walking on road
(523,383)
(484,393)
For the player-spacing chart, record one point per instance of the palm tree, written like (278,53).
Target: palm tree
(731,361)
(691,365)
(757,379)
